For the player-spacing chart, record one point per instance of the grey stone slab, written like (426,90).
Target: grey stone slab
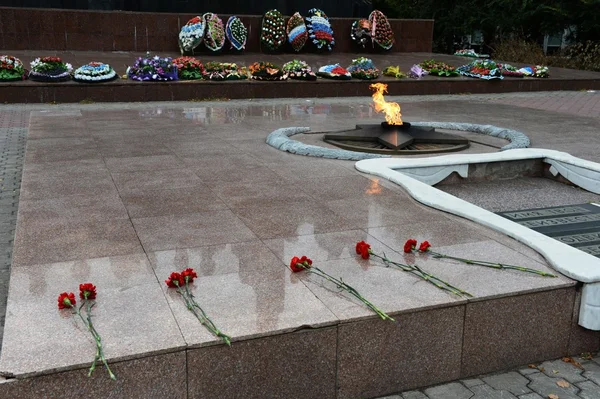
(589,390)
(592,372)
(487,392)
(454,390)
(472,382)
(544,385)
(513,382)
(529,371)
(531,395)
(559,369)
(413,395)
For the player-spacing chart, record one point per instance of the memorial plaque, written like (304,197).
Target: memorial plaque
(574,225)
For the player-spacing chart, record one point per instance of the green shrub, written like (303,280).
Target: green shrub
(584,55)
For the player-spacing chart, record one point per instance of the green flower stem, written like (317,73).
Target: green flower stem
(351,290)
(200,314)
(87,321)
(430,278)
(494,265)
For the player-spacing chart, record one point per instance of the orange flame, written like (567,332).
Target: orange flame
(391,110)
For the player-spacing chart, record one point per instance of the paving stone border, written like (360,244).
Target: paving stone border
(281,140)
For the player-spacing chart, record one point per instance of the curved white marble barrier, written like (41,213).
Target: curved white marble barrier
(568,260)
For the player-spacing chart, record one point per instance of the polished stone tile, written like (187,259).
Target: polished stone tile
(263,194)
(387,210)
(151,162)
(155,179)
(475,279)
(187,148)
(174,201)
(298,365)
(326,246)
(341,188)
(302,169)
(302,218)
(191,230)
(216,176)
(440,232)
(389,288)
(57,240)
(131,315)
(66,167)
(148,377)
(245,290)
(516,330)
(54,184)
(137,148)
(82,207)
(420,349)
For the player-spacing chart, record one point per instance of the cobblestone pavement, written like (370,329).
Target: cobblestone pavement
(13,134)
(556,379)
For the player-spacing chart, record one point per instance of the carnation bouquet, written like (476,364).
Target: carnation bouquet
(360,32)
(266,71)
(94,72)
(50,69)
(319,29)
(296,32)
(299,70)
(381,30)
(191,34)
(272,34)
(334,71)
(189,68)
(438,68)
(214,38)
(236,33)
(470,53)
(150,68)
(482,69)
(224,71)
(11,68)
(363,68)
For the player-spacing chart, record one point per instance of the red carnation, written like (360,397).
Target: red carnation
(424,247)
(295,264)
(66,300)
(306,261)
(189,275)
(87,291)
(410,245)
(175,280)
(363,249)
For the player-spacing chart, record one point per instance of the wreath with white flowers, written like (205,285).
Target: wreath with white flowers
(272,34)
(11,68)
(236,33)
(94,72)
(296,32)
(50,69)
(191,34)
(319,29)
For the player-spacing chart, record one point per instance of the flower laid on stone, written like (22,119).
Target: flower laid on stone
(538,71)
(364,250)
(299,70)
(181,282)
(189,68)
(11,68)
(360,32)
(425,247)
(214,37)
(416,72)
(381,30)
(224,71)
(363,68)
(509,70)
(94,72)
(394,72)
(296,32)
(150,68)
(305,264)
(482,69)
(470,53)
(334,71)
(191,34)
(319,29)
(266,71)
(87,293)
(272,35)
(236,33)
(438,68)
(50,69)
